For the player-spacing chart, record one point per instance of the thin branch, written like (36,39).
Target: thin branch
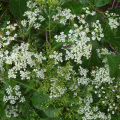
(15,40)
(116,5)
(42,45)
(46,33)
(3,13)
(115,51)
(113,4)
(19,40)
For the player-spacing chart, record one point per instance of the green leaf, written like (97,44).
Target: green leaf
(110,37)
(100,3)
(85,2)
(65,0)
(51,112)
(75,6)
(2,111)
(116,116)
(18,7)
(94,59)
(44,119)
(113,62)
(40,100)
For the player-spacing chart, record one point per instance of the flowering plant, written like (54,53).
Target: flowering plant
(60,63)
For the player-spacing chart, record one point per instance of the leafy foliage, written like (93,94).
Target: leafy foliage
(39,100)
(61,61)
(18,7)
(99,3)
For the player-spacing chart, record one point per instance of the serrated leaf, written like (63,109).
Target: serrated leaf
(100,3)
(39,100)
(113,62)
(18,7)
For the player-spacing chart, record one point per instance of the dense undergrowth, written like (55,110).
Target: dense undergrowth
(59,60)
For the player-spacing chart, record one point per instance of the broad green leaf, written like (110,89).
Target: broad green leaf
(113,62)
(40,100)
(18,7)
(100,3)
(86,2)
(94,60)
(75,6)
(116,116)
(51,112)
(110,37)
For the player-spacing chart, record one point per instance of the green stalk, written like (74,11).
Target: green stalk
(49,26)
(25,85)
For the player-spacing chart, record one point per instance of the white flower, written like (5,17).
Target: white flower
(18,93)
(24,23)
(22,99)
(17,87)
(8,22)
(9,90)
(57,57)
(12,101)
(8,33)
(5,98)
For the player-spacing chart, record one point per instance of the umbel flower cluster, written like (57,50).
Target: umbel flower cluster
(82,89)
(14,98)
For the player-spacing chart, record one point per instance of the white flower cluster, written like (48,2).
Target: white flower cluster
(83,79)
(21,57)
(78,50)
(2,60)
(91,113)
(66,72)
(81,19)
(114,20)
(34,18)
(106,99)
(88,12)
(56,90)
(63,15)
(98,31)
(61,37)
(40,73)
(79,39)
(10,36)
(14,97)
(74,86)
(57,57)
(103,51)
(24,75)
(11,110)
(101,75)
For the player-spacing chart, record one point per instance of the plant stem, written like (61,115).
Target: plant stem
(25,85)
(49,26)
